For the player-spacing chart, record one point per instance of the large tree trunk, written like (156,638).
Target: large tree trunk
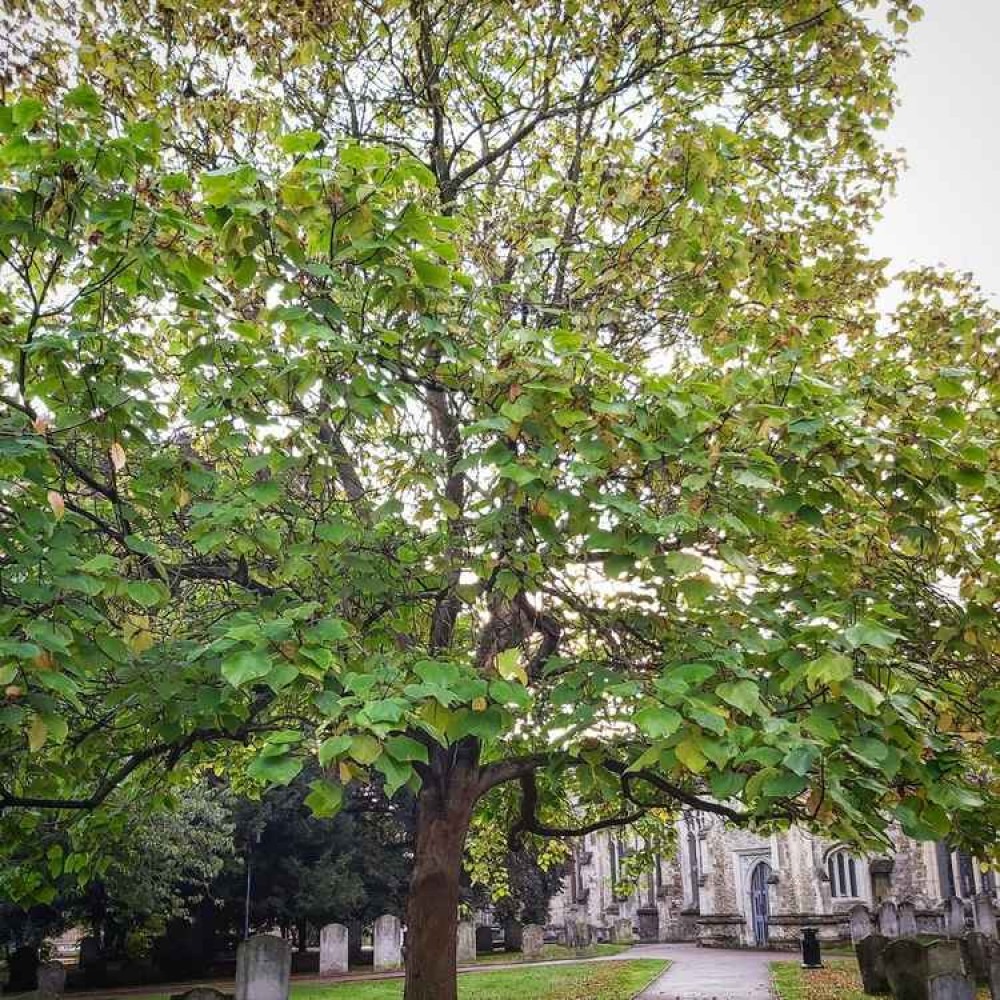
(444,808)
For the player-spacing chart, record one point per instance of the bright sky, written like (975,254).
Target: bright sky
(947,209)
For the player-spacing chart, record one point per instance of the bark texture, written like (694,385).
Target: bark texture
(444,809)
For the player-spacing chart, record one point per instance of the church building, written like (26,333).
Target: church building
(727,887)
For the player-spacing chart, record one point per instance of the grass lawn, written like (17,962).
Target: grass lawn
(591,981)
(840,980)
(554,952)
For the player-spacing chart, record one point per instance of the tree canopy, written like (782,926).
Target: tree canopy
(479,393)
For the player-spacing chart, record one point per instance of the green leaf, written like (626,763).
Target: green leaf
(396,773)
(327,630)
(325,798)
(868,632)
(863,696)
(335,746)
(407,749)
(830,668)
(304,141)
(429,273)
(364,749)
(744,695)
(279,769)
(800,759)
(658,723)
(246,665)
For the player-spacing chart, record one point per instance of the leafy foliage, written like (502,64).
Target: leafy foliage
(390,388)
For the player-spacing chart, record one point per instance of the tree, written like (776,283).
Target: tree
(481,394)
(306,870)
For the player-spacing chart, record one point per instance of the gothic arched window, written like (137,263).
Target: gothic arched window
(844,871)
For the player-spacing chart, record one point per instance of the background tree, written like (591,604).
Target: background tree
(478,394)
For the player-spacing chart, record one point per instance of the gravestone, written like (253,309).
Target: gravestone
(51,980)
(263,967)
(907,919)
(888,919)
(869,952)
(993,969)
(512,935)
(388,942)
(621,931)
(861,922)
(484,939)
(333,947)
(532,941)
(582,935)
(976,956)
(932,971)
(954,917)
(22,969)
(984,917)
(202,993)
(465,946)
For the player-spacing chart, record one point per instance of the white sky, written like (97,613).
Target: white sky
(947,207)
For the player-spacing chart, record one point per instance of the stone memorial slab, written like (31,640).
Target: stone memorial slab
(932,971)
(263,968)
(861,922)
(388,942)
(870,961)
(622,931)
(484,939)
(465,944)
(907,912)
(532,941)
(984,917)
(888,919)
(954,917)
(51,980)
(333,949)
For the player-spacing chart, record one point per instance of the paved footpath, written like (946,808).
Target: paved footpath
(709,973)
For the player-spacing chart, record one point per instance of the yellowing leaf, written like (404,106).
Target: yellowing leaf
(57,503)
(117,453)
(509,666)
(37,733)
(691,756)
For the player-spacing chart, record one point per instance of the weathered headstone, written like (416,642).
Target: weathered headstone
(888,919)
(993,969)
(907,912)
(621,931)
(861,922)
(532,941)
(976,956)
(92,962)
(51,980)
(954,917)
(932,971)
(582,935)
(512,934)
(263,968)
(465,948)
(872,965)
(333,948)
(388,943)
(984,917)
